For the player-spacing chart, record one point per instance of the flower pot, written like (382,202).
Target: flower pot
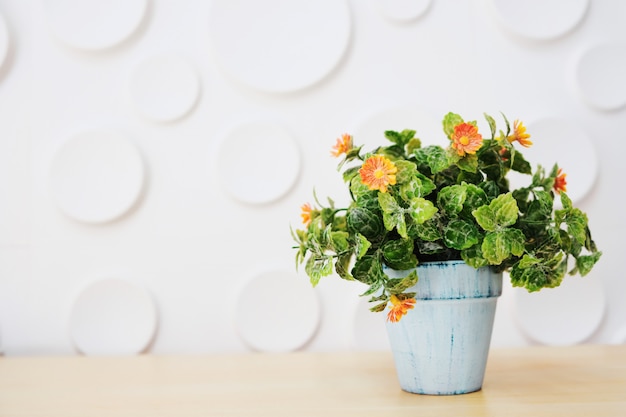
(441,346)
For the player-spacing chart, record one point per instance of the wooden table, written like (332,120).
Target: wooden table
(585,381)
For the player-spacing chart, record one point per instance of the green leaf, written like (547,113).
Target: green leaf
(505,209)
(368,270)
(539,212)
(351,173)
(339,241)
(418,186)
(368,201)
(450,120)
(495,248)
(393,214)
(327,215)
(430,248)
(492,125)
(453,156)
(395,137)
(362,245)
(357,188)
(429,230)
(577,225)
(421,210)
(410,189)
(519,164)
(485,217)
(393,152)
(516,241)
(318,267)
(521,196)
(342,264)
(434,156)
(399,254)
(451,199)
(533,278)
(500,213)
(379,307)
(364,221)
(501,244)
(460,234)
(538,276)
(566,202)
(567,244)
(387,203)
(407,136)
(399,285)
(508,125)
(413,144)
(474,198)
(426,185)
(468,163)
(527,261)
(406,171)
(585,263)
(374,288)
(490,188)
(474,256)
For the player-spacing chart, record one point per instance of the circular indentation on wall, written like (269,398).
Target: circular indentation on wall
(4,40)
(371,131)
(540,19)
(164,88)
(403,10)
(96,176)
(369,332)
(94,24)
(600,76)
(566,315)
(277,311)
(113,317)
(563,142)
(258,162)
(619,337)
(504,334)
(286,45)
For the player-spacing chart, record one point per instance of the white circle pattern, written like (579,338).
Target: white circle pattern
(94,24)
(279,45)
(97,176)
(540,19)
(113,317)
(600,76)
(164,88)
(249,164)
(277,312)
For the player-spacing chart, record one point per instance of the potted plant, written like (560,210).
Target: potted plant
(429,232)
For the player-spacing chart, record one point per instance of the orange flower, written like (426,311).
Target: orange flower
(343,145)
(519,134)
(560,184)
(306,214)
(399,308)
(502,153)
(378,172)
(466,139)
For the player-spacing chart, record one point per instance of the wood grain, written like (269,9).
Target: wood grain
(538,381)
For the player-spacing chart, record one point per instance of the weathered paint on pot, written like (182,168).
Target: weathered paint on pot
(441,346)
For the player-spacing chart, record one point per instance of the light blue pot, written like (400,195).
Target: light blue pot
(441,346)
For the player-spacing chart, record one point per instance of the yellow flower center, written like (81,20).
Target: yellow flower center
(378,174)
(464,140)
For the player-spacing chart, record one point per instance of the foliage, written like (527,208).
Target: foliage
(413,204)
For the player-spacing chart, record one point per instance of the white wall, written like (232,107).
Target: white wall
(258,91)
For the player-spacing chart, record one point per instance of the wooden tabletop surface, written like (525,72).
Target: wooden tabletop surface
(581,381)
